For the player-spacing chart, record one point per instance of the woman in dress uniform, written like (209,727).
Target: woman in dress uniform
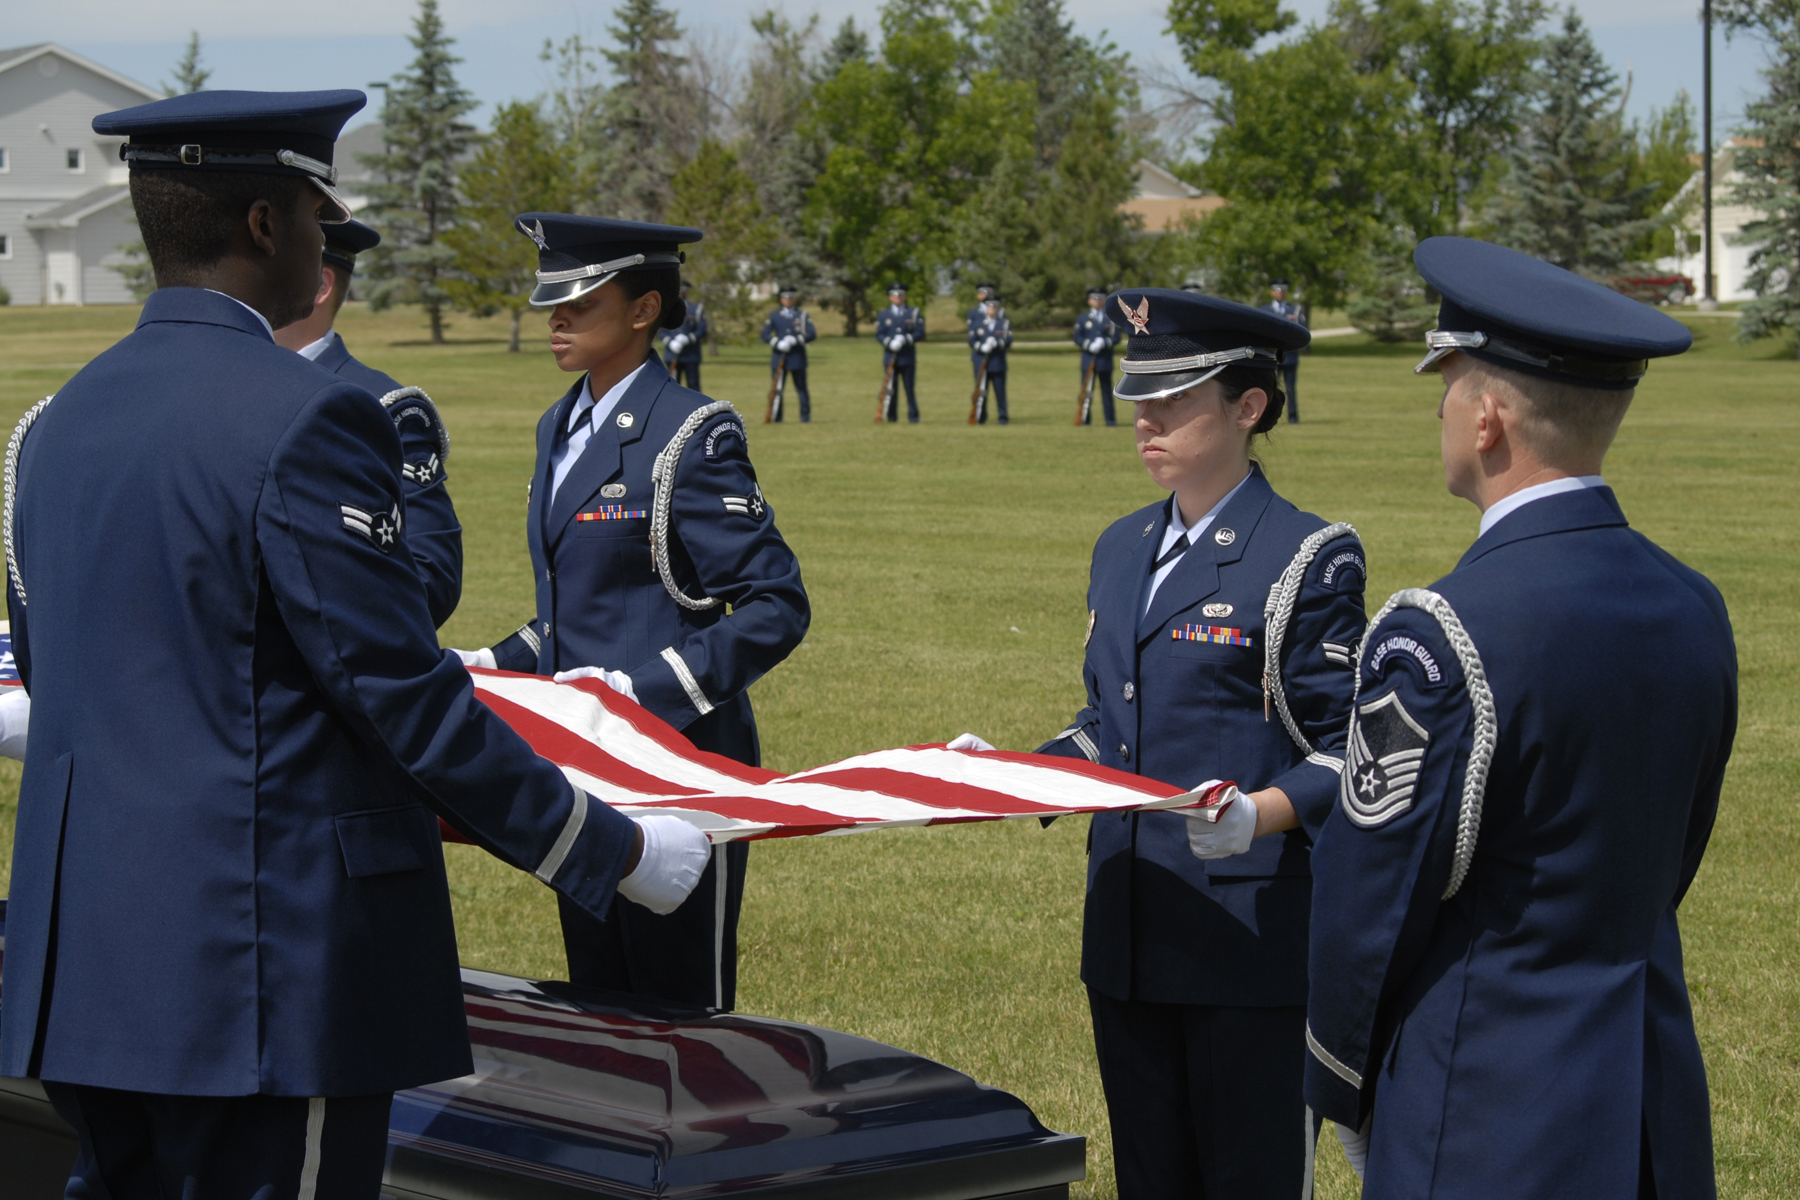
(677,590)
(1221,628)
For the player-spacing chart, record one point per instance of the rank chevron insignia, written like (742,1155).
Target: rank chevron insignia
(1381,766)
(381,530)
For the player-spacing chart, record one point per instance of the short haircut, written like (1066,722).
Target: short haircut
(666,282)
(1560,422)
(188,218)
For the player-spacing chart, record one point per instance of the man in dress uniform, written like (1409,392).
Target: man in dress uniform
(899,327)
(229,937)
(978,314)
(1281,306)
(433,533)
(681,345)
(1533,769)
(1096,335)
(988,342)
(787,331)
(679,592)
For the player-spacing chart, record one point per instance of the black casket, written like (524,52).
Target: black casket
(584,1094)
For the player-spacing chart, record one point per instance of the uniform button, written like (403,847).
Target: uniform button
(1124,752)
(1130,691)
(546,629)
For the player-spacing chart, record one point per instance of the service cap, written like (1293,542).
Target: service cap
(1518,312)
(896,287)
(265,133)
(1181,339)
(984,290)
(578,254)
(344,242)
(787,289)
(1096,291)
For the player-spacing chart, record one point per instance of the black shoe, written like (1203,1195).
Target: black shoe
(1112,424)
(1003,420)
(912,420)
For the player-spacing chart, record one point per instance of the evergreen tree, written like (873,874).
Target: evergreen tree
(714,194)
(774,147)
(1567,196)
(1768,162)
(416,201)
(654,117)
(190,76)
(1663,158)
(517,169)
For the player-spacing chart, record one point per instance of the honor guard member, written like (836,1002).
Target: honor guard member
(1221,624)
(229,936)
(978,314)
(1532,774)
(787,331)
(1286,309)
(899,327)
(658,565)
(988,343)
(433,533)
(1097,335)
(681,346)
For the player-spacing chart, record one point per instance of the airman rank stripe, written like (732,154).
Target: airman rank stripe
(613,512)
(1220,635)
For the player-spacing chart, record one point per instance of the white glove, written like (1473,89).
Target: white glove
(1096,345)
(989,346)
(618,681)
(675,854)
(483,657)
(15,721)
(1231,833)
(1356,1145)
(897,342)
(968,741)
(785,344)
(678,343)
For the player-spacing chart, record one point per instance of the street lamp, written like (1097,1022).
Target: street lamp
(1709,300)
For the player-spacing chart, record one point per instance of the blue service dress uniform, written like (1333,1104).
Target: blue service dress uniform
(1177,953)
(903,321)
(795,323)
(1089,325)
(998,328)
(433,533)
(684,365)
(603,600)
(227,878)
(1290,361)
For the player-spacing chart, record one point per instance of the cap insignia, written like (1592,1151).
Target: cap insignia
(1140,318)
(536,233)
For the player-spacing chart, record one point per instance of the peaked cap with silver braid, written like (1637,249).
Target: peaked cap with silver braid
(662,479)
(12,487)
(1278,615)
(1481,701)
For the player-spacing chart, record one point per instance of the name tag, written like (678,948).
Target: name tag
(613,512)
(1219,635)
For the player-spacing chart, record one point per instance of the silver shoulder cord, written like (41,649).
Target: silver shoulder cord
(1278,614)
(1487,725)
(662,479)
(417,393)
(12,487)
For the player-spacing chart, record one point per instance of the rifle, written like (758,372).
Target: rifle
(976,402)
(887,387)
(1084,404)
(774,409)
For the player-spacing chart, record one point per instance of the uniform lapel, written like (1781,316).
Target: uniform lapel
(554,420)
(601,457)
(1196,575)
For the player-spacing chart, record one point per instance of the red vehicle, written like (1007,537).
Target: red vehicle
(1653,289)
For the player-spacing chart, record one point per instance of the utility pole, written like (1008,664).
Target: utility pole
(1709,299)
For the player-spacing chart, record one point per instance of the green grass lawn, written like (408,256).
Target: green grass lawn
(947,567)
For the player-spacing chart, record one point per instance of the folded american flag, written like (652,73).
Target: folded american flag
(637,763)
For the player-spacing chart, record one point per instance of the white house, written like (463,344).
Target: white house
(1731,259)
(64,206)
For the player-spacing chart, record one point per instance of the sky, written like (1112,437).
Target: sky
(268,47)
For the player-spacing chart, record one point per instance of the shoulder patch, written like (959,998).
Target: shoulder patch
(1409,649)
(1341,567)
(1381,764)
(379,529)
(721,434)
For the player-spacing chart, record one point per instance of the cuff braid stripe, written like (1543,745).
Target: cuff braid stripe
(1325,1056)
(565,841)
(689,684)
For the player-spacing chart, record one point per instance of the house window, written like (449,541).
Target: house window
(76,159)
(5,161)
(5,246)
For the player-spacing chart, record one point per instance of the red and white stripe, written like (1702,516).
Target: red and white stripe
(619,753)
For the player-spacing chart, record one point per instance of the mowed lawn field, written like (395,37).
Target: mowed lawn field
(947,567)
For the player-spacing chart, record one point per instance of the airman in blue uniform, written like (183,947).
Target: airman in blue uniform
(787,331)
(1221,624)
(1533,769)
(1288,310)
(1097,335)
(229,936)
(978,314)
(989,339)
(671,584)
(433,533)
(682,345)
(899,327)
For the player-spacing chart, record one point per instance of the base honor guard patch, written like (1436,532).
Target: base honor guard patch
(613,512)
(1381,765)
(1219,635)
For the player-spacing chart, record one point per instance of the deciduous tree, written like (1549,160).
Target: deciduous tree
(714,194)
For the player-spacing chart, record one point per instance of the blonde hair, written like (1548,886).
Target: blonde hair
(1559,422)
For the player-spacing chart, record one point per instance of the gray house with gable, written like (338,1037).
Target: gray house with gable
(64,205)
